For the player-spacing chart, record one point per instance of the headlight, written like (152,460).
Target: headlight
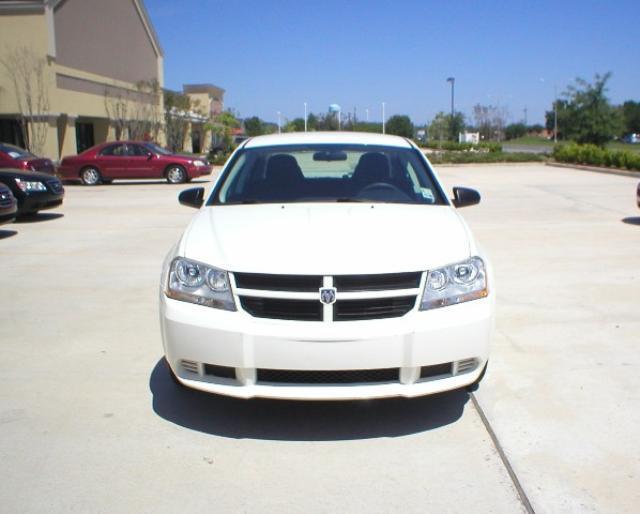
(199,163)
(28,186)
(454,284)
(194,282)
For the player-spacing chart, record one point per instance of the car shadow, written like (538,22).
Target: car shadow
(280,420)
(631,220)
(4,234)
(39,217)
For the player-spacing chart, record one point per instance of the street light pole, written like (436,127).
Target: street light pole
(452,81)
(555,113)
(305,116)
(383,120)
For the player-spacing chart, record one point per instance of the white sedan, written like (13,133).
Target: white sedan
(327,266)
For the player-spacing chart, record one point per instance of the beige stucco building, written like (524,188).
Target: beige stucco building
(207,101)
(95,55)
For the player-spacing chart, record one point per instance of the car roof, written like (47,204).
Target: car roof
(327,138)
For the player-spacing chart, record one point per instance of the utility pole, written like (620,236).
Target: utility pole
(525,116)
(383,120)
(305,116)
(452,81)
(555,113)
(279,124)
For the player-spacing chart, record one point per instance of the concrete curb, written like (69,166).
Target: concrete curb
(608,171)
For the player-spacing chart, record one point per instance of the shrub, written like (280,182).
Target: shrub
(595,156)
(484,157)
(451,146)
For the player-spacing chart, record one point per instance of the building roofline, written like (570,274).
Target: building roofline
(201,88)
(146,20)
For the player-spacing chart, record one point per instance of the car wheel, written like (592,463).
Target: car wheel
(476,383)
(90,176)
(176,175)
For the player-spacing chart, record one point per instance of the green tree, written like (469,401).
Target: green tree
(254,126)
(176,118)
(295,125)
(589,118)
(438,129)
(456,125)
(221,130)
(400,125)
(515,130)
(631,117)
(312,122)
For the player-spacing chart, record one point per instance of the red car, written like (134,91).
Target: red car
(16,158)
(130,159)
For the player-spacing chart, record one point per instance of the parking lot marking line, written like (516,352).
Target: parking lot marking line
(496,443)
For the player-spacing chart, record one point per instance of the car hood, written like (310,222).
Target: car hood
(326,239)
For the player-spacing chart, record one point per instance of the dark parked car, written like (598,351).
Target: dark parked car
(14,157)
(8,205)
(34,191)
(131,160)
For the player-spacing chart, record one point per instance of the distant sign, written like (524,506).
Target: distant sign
(334,108)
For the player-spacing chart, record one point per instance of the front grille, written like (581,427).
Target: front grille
(297,283)
(368,296)
(55,186)
(377,282)
(373,308)
(278,308)
(351,376)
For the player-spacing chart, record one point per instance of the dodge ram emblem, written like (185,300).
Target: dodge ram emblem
(328,295)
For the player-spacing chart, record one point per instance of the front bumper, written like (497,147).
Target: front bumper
(39,201)
(202,336)
(199,171)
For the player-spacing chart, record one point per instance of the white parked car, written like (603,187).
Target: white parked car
(327,266)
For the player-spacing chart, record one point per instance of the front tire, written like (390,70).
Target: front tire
(176,175)
(90,176)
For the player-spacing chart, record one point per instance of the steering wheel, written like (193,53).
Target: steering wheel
(382,191)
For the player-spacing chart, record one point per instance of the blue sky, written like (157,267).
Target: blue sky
(274,55)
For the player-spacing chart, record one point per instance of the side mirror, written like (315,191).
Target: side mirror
(193,197)
(463,197)
(149,156)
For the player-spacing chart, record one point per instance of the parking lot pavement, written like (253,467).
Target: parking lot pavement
(90,421)
(563,391)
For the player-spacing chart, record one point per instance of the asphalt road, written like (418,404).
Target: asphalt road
(91,422)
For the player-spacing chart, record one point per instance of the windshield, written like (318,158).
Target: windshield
(157,149)
(327,173)
(15,152)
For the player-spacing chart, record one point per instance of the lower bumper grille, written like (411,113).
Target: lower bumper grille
(352,376)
